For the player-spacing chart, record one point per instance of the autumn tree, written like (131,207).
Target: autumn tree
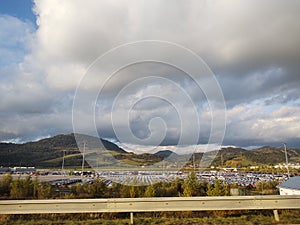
(98,189)
(217,189)
(44,190)
(150,191)
(5,185)
(191,185)
(21,188)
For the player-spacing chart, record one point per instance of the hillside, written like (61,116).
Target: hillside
(48,153)
(264,155)
(165,153)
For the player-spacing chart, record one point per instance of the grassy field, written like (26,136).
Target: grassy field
(182,218)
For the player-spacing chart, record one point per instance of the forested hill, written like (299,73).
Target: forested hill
(48,152)
(265,155)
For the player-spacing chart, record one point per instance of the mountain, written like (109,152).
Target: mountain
(271,155)
(48,152)
(165,153)
(264,155)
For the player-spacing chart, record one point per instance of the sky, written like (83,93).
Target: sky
(55,57)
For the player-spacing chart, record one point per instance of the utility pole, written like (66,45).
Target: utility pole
(163,167)
(82,165)
(63,163)
(286,160)
(222,160)
(194,165)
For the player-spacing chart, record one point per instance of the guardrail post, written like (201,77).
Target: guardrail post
(131,218)
(276,216)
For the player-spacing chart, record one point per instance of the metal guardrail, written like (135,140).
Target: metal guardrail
(150,204)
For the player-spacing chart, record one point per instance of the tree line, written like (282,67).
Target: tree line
(31,188)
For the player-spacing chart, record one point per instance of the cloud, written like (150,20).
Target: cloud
(239,40)
(252,46)
(261,125)
(15,37)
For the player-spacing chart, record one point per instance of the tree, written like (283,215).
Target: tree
(35,188)
(217,189)
(127,191)
(191,185)
(15,188)
(115,190)
(176,188)
(21,188)
(44,190)
(27,187)
(132,192)
(260,186)
(210,189)
(160,189)
(150,191)
(98,189)
(5,185)
(202,188)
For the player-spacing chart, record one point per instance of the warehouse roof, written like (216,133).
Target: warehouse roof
(292,183)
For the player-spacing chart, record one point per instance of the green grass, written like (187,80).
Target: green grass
(59,160)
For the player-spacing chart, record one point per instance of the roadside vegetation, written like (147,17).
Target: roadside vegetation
(162,218)
(31,188)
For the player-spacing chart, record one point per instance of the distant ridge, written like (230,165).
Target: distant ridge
(263,155)
(47,153)
(165,153)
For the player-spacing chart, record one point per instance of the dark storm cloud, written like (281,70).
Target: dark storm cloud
(252,46)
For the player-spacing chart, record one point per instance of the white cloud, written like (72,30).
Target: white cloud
(15,36)
(253,47)
(253,123)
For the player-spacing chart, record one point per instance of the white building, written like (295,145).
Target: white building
(291,165)
(290,187)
